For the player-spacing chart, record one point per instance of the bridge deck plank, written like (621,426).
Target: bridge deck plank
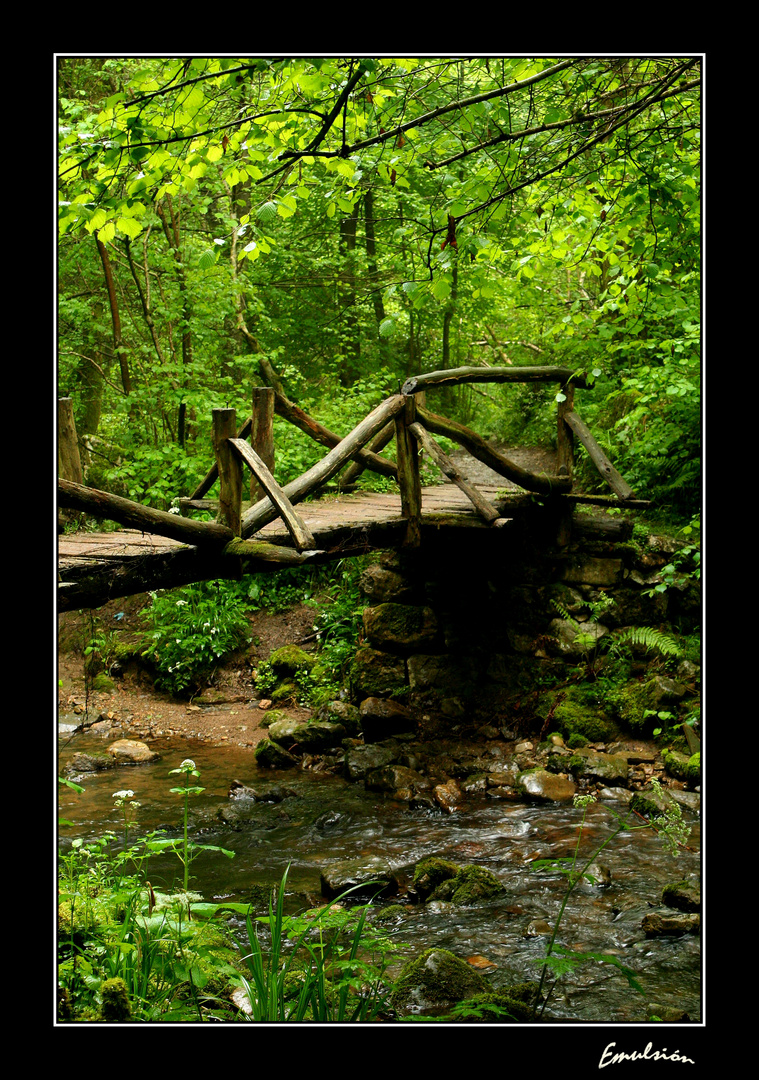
(321,516)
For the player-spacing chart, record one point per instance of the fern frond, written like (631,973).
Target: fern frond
(561,610)
(647,637)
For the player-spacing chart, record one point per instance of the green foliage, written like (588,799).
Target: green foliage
(649,638)
(325,966)
(685,564)
(191,630)
(488,210)
(125,950)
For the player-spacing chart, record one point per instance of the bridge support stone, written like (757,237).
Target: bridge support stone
(461,629)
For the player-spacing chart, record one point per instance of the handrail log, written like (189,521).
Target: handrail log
(299,531)
(484,508)
(263,512)
(456,376)
(479,448)
(102,504)
(298,418)
(616,482)
(285,408)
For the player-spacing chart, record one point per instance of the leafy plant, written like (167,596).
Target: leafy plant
(648,638)
(326,966)
(114,926)
(685,563)
(186,850)
(100,650)
(192,630)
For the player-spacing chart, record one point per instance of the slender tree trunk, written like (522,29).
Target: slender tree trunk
(170,222)
(92,382)
(350,338)
(110,285)
(371,255)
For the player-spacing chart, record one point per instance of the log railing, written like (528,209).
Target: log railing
(404,416)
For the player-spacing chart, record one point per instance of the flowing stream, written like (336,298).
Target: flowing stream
(328,819)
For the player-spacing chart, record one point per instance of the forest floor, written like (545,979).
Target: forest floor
(229,711)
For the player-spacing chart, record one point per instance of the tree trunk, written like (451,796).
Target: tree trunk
(110,285)
(371,256)
(350,337)
(170,224)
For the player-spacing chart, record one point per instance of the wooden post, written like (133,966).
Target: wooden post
(617,483)
(230,469)
(408,473)
(262,435)
(263,512)
(565,445)
(565,441)
(69,461)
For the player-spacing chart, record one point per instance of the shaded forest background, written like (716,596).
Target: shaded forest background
(335,225)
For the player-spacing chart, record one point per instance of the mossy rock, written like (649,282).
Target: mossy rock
(290,661)
(515,1004)
(652,803)
(271,717)
(401,628)
(270,756)
(287,690)
(675,763)
(115,1006)
(575,715)
(638,703)
(103,684)
(392,911)
(693,769)
(576,741)
(471,885)
(442,879)
(341,712)
(432,872)
(434,982)
(682,895)
(377,674)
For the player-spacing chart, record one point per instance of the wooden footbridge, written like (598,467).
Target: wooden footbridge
(156,549)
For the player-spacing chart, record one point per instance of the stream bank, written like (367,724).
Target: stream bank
(400,781)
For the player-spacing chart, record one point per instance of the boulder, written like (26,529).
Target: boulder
(341,712)
(268,793)
(368,877)
(682,895)
(290,661)
(381,585)
(612,769)
(309,737)
(662,924)
(269,755)
(396,780)
(402,628)
(543,786)
(381,719)
(434,982)
(376,673)
(360,760)
(131,752)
